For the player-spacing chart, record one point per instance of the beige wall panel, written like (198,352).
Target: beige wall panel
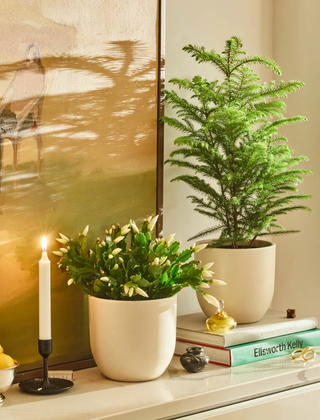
(297,36)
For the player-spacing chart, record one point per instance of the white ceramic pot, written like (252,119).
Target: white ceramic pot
(132,340)
(250,277)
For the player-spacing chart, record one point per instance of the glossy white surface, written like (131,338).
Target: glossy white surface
(175,393)
(297,404)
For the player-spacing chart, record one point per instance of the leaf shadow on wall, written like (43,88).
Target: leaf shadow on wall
(98,167)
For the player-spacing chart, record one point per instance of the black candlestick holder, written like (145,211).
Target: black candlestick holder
(45,386)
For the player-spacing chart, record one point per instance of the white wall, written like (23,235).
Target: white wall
(208,23)
(296,49)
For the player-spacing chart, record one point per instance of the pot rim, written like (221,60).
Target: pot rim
(269,244)
(134,302)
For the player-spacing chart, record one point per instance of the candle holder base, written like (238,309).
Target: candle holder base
(45,386)
(41,387)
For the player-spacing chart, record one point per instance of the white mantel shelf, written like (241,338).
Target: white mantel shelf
(176,393)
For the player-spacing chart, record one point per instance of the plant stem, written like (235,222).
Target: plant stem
(218,172)
(252,240)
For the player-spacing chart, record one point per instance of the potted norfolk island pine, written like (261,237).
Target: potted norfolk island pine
(241,169)
(132,280)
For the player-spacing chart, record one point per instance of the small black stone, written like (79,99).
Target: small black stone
(194,360)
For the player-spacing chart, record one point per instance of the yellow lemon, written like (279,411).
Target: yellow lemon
(5,360)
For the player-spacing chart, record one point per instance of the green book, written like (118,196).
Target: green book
(255,351)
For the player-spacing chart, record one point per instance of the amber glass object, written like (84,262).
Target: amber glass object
(220,322)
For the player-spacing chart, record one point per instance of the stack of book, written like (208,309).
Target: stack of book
(274,335)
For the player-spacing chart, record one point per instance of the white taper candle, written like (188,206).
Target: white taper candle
(44,294)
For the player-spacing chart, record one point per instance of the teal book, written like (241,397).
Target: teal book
(254,351)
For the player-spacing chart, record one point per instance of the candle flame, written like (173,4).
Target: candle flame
(44,244)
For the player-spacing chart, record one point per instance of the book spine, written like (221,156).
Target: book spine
(264,332)
(274,347)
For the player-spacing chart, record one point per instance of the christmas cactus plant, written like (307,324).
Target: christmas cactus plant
(129,264)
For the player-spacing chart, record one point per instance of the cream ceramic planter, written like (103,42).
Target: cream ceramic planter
(250,277)
(132,340)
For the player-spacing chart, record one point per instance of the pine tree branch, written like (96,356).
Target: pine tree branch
(206,232)
(278,233)
(203,56)
(198,184)
(267,62)
(285,210)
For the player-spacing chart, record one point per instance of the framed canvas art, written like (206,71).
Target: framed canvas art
(78,146)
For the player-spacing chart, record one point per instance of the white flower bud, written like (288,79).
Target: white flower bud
(141,292)
(64,250)
(116,251)
(64,237)
(148,219)
(207,266)
(110,256)
(217,282)
(200,248)
(170,238)
(126,289)
(156,261)
(58,253)
(168,262)
(118,239)
(85,230)
(131,290)
(204,285)
(152,223)
(121,260)
(62,241)
(70,281)
(162,260)
(104,278)
(116,266)
(125,229)
(134,227)
(210,299)
(206,273)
